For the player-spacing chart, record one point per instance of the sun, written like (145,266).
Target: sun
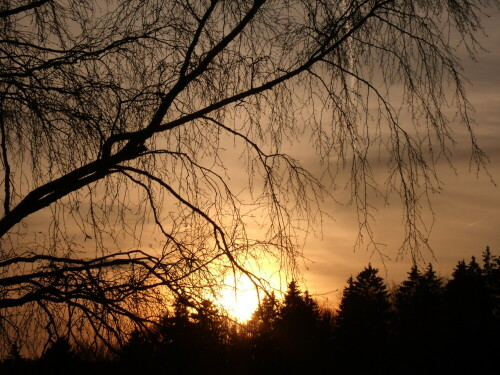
(240,300)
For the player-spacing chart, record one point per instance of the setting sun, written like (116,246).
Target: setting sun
(240,300)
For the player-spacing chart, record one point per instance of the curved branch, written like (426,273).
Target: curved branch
(6,165)
(23,8)
(219,233)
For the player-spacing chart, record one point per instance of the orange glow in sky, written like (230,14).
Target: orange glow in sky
(239,296)
(239,300)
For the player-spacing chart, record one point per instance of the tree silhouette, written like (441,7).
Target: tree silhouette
(363,327)
(58,357)
(115,123)
(262,342)
(472,328)
(491,273)
(182,342)
(435,331)
(266,315)
(420,320)
(298,331)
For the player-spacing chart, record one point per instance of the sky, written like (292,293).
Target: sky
(467,210)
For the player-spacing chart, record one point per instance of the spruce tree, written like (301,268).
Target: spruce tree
(298,331)
(363,332)
(472,328)
(419,318)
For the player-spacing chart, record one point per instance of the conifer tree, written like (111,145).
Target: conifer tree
(419,318)
(298,330)
(264,318)
(472,329)
(491,273)
(127,127)
(262,335)
(363,338)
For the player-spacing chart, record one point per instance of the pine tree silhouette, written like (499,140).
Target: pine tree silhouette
(363,336)
(472,329)
(418,303)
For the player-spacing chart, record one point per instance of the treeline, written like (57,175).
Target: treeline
(424,325)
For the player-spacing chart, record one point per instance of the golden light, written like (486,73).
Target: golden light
(239,298)
(238,295)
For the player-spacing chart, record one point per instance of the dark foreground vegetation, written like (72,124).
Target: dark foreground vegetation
(424,325)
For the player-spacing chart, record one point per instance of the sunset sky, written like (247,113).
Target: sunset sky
(167,165)
(467,211)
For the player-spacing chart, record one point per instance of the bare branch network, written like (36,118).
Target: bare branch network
(126,127)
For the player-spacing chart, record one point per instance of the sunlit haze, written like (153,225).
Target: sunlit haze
(239,300)
(247,187)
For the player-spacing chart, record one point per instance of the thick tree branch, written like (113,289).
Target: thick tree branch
(23,8)
(6,165)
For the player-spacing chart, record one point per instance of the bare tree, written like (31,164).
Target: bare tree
(120,119)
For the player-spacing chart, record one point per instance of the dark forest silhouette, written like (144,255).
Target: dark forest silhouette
(143,141)
(423,325)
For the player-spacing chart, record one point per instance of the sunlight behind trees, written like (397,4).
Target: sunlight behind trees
(240,300)
(239,295)
(424,325)
(114,123)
